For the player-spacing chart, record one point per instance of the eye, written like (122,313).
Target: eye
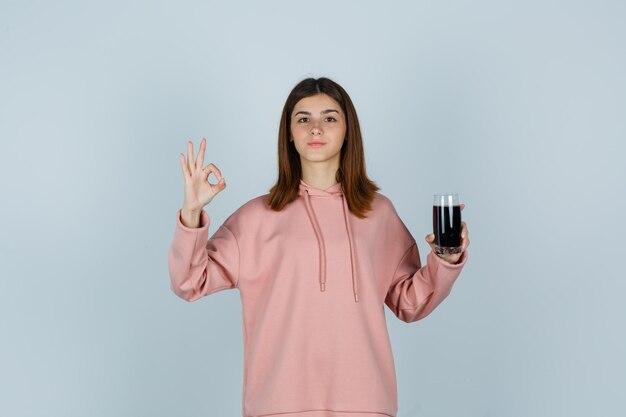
(302,118)
(333,119)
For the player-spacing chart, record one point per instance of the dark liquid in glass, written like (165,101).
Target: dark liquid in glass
(447,225)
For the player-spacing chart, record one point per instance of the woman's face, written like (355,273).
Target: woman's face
(318,118)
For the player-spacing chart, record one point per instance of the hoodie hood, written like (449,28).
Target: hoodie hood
(335,191)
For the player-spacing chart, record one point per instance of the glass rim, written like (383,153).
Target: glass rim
(445,194)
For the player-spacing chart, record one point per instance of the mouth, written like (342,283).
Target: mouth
(316,144)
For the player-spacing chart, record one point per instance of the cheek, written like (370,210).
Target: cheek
(341,129)
(341,135)
(294,129)
(297,130)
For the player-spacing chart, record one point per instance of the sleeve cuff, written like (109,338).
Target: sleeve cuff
(204,221)
(461,262)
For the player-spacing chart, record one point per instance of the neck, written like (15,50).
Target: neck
(321,176)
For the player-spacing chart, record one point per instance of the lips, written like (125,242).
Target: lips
(316,144)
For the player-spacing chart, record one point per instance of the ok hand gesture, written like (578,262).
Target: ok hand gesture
(198,190)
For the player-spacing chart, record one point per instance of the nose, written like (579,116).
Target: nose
(315,129)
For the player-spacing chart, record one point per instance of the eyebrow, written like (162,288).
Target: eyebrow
(322,112)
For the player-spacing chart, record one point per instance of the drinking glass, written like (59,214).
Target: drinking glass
(447,223)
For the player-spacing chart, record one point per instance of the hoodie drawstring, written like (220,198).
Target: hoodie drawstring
(320,240)
(352,255)
(322,248)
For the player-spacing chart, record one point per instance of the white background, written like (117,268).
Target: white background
(518,106)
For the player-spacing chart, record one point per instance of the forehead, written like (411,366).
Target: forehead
(317,103)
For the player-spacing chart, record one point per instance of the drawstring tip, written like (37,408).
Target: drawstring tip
(356,298)
(322,286)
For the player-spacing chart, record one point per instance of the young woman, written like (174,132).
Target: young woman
(314,261)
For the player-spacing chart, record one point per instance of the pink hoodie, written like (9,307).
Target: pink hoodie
(313,279)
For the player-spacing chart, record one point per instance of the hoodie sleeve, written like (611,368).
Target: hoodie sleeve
(199,266)
(416,290)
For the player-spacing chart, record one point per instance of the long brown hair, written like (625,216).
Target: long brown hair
(359,190)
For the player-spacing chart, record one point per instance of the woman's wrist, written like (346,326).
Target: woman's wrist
(190,217)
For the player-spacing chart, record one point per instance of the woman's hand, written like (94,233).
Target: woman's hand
(452,257)
(198,190)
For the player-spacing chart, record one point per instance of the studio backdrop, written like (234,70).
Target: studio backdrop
(518,106)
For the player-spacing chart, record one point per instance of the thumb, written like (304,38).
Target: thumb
(430,238)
